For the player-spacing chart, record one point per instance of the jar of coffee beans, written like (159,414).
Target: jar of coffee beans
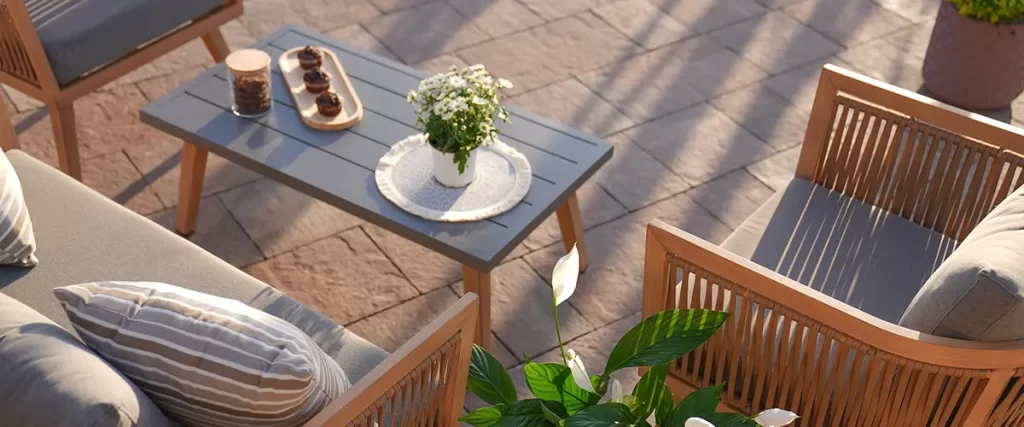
(250,82)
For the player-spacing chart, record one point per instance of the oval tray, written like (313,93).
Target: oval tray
(305,102)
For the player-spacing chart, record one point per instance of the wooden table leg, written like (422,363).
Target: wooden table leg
(480,283)
(190,190)
(572,228)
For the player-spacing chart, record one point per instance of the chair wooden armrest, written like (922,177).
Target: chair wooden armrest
(788,346)
(423,383)
(934,164)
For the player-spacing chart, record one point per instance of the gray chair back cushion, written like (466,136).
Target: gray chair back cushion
(49,378)
(976,294)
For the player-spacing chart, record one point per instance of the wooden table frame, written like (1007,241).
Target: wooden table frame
(315,162)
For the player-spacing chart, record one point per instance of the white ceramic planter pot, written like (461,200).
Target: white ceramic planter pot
(446,171)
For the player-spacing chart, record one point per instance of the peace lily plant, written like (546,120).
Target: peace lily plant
(566,395)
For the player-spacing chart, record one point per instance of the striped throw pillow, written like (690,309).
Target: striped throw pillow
(17,242)
(204,360)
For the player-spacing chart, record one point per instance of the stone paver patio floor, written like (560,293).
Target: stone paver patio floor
(705,100)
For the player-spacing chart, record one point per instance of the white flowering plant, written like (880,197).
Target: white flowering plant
(567,396)
(456,110)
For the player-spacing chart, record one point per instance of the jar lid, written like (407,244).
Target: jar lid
(248,61)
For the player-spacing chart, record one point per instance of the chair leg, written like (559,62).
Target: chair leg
(8,136)
(571,224)
(216,44)
(62,117)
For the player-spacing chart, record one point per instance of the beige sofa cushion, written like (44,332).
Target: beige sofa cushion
(851,251)
(977,293)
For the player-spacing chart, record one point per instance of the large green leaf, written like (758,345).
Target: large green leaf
(524,413)
(553,382)
(483,417)
(701,403)
(488,379)
(664,409)
(605,415)
(651,388)
(731,420)
(664,337)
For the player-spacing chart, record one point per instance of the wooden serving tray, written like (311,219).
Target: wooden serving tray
(305,102)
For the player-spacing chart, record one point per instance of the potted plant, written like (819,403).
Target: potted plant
(567,396)
(456,112)
(975,58)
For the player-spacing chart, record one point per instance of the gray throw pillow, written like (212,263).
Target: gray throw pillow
(203,359)
(49,378)
(978,292)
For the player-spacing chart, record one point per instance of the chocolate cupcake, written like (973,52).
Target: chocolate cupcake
(311,58)
(316,81)
(329,104)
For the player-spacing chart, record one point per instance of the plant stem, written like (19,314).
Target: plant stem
(558,330)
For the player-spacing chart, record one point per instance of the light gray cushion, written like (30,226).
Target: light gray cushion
(977,293)
(49,378)
(79,35)
(851,251)
(205,360)
(17,240)
(85,237)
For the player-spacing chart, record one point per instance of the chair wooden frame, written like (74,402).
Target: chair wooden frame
(877,373)
(430,372)
(25,67)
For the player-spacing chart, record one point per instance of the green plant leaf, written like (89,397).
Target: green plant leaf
(605,415)
(635,406)
(553,382)
(664,337)
(701,403)
(731,420)
(650,388)
(488,379)
(664,409)
(550,415)
(529,413)
(483,417)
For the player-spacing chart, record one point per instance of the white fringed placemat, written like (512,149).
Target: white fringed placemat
(404,176)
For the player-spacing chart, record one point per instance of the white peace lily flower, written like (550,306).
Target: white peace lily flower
(775,417)
(697,422)
(505,83)
(579,372)
(616,393)
(563,278)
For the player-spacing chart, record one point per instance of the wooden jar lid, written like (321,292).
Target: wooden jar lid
(248,61)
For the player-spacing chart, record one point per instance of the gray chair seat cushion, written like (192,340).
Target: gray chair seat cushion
(84,237)
(978,293)
(851,251)
(79,35)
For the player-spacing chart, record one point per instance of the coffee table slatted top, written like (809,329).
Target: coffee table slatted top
(337,167)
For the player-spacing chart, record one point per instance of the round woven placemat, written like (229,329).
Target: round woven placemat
(404,176)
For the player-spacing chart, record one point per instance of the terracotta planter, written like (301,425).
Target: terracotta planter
(974,64)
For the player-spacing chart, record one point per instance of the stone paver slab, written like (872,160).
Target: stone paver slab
(777,170)
(552,52)
(643,22)
(217,232)
(425,31)
(699,143)
(596,207)
(636,179)
(441,63)
(886,61)
(776,42)
(573,104)
(156,87)
(848,22)
(389,6)
(426,269)
(521,312)
(672,78)
(280,219)
(612,286)
(114,176)
(263,17)
(555,9)
(733,197)
(798,85)
(160,163)
(190,55)
(775,4)
(707,15)
(21,102)
(357,36)
(393,327)
(914,10)
(766,114)
(497,17)
(344,277)
(914,40)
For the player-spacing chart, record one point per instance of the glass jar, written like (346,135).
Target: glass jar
(250,82)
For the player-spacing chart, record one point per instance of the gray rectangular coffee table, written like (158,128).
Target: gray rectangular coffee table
(338,167)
